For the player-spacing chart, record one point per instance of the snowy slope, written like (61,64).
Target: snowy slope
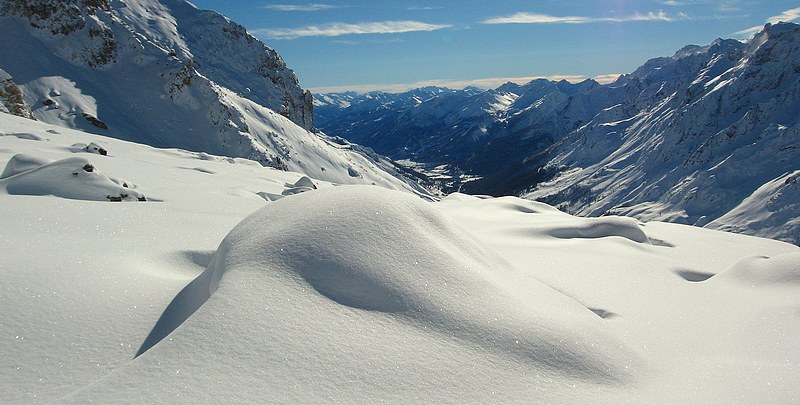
(715,149)
(230,285)
(169,75)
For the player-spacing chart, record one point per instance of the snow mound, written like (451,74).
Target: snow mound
(74,178)
(777,270)
(366,249)
(300,186)
(592,228)
(92,147)
(27,136)
(20,163)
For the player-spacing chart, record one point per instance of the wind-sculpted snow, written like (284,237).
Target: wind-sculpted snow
(782,270)
(395,259)
(76,178)
(602,228)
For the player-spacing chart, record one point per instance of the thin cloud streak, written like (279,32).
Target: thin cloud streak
(338,29)
(414,8)
(536,18)
(786,16)
(486,83)
(299,7)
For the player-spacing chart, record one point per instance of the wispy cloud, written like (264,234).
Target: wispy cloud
(417,8)
(786,16)
(607,78)
(486,83)
(719,5)
(385,40)
(338,29)
(299,7)
(536,18)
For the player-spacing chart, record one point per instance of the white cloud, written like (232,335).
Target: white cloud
(536,18)
(299,7)
(337,29)
(486,83)
(719,5)
(607,78)
(748,32)
(416,8)
(786,16)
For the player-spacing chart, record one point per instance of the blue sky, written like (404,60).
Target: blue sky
(365,45)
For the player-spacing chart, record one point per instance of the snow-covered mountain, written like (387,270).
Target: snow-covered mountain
(328,107)
(713,139)
(707,137)
(461,135)
(165,73)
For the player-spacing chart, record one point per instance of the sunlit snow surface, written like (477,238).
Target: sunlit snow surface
(228,285)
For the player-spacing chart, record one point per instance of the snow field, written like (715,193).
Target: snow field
(211,292)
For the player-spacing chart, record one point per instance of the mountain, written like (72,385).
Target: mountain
(707,137)
(167,74)
(717,145)
(459,135)
(327,107)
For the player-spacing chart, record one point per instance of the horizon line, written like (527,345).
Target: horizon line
(485,83)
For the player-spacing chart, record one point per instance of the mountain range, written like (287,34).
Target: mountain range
(708,137)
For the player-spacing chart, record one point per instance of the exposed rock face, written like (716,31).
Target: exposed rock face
(80,20)
(11,98)
(224,52)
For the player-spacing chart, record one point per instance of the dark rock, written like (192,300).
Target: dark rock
(95,121)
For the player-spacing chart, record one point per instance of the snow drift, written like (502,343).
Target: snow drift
(74,178)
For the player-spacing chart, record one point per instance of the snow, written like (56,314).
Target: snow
(211,292)
(74,177)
